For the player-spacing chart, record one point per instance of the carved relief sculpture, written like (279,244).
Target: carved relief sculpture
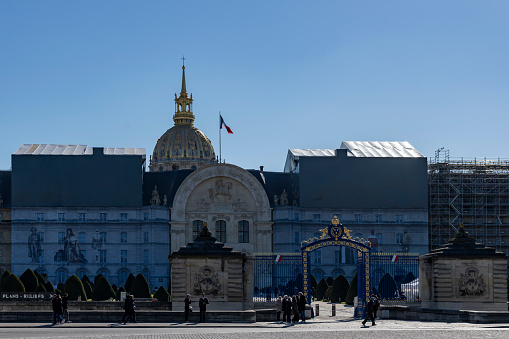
(207,281)
(471,283)
(34,245)
(221,191)
(406,241)
(284,198)
(156,200)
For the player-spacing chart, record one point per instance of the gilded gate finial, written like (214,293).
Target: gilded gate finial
(335,221)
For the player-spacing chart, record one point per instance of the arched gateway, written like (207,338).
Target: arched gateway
(338,235)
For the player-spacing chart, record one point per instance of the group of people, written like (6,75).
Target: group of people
(129,310)
(292,308)
(59,306)
(202,304)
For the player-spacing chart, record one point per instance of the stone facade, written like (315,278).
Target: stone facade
(5,239)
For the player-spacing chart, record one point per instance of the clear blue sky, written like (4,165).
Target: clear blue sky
(284,74)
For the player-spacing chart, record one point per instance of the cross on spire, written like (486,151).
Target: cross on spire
(183,59)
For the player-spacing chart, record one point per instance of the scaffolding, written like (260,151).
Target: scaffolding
(474,192)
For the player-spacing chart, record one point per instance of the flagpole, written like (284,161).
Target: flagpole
(220,136)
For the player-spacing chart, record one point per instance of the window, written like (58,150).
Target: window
(358,218)
(40,216)
(379,236)
(82,237)
(399,218)
(243,231)
(197,226)
(82,217)
(296,216)
(317,257)
(122,277)
(102,216)
(318,275)
(102,256)
(337,257)
(296,237)
(123,256)
(221,230)
(317,217)
(61,237)
(123,216)
(59,257)
(41,236)
(350,256)
(378,218)
(81,274)
(399,238)
(145,256)
(145,216)
(123,237)
(145,237)
(61,276)
(104,237)
(61,216)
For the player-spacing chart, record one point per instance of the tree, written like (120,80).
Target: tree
(97,278)
(102,290)
(86,278)
(328,293)
(162,294)
(129,282)
(409,278)
(13,284)
(339,289)
(88,289)
(352,291)
(41,288)
(140,288)
(29,280)
(49,287)
(74,287)
(4,276)
(60,286)
(40,279)
(114,288)
(330,281)
(387,287)
(120,290)
(290,287)
(314,283)
(321,289)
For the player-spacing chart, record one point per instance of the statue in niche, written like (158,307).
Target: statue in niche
(406,241)
(276,199)
(284,198)
(207,281)
(165,200)
(34,245)
(221,191)
(72,248)
(471,283)
(156,200)
(97,244)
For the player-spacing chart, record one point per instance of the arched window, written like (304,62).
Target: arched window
(61,276)
(243,231)
(81,273)
(221,230)
(122,277)
(104,272)
(318,274)
(197,226)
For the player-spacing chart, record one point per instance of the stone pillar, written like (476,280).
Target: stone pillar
(463,275)
(178,235)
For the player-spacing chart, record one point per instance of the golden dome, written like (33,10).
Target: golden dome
(183,146)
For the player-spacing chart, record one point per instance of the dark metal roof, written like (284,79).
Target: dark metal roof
(275,182)
(167,184)
(5,189)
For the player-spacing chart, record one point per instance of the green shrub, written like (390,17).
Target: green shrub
(328,293)
(140,288)
(60,286)
(409,278)
(86,278)
(339,289)
(57,291)
(387,287)
(13,284)
(74,287)
(374,291)
(290,288)
(40,288)
(49,287)
(321,289)
(102,290)
(114,288)
(40,279)
(29,280)
(352,291)
(162,294)
(314,283)
(129,283)
(4,276)
(88,289)
(330,281)
(117,295)
(97,277)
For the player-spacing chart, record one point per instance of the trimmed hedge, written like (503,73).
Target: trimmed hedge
(60,286)
(328,293)
(13,284)
(49,287)
(29,280)
(330,281)
(40,278)
(162,294)
(88,289)
(409,278)
(4,277)
(140,288)
(352,291)
(115,288)
(74,287)
(85,278)
(321,289)
(41,288)
(102,289)
(340,288)
(129,283)
(96,278)
(387,287)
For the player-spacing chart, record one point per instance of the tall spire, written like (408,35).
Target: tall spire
(183,93)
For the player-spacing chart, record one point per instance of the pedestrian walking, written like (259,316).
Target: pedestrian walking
(187,307)
(295,309)
(301,300)
(203,307)
(376,306)
(369,311)
(279,308)
(287,309)
(129,310)
(64,307)
(56,303)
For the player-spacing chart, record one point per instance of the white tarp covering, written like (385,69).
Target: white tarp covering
(49,149)
(381,149)
(411,290)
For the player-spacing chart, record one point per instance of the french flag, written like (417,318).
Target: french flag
(222,124)
(395,258)
(279,257)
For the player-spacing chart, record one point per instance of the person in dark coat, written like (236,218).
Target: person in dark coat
(203,307)
(187,307)
(129,310)
(301,301)
(287,309)
(376,306)
(64,307)
(295,309)
(56,303)
(369,311)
